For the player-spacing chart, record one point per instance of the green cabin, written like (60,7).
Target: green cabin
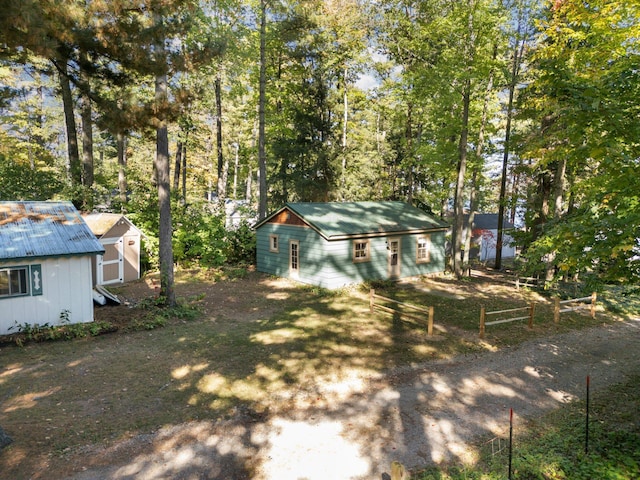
(336,244)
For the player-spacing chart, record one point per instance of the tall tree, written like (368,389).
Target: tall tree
(583,103)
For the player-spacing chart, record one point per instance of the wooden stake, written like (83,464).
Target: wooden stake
(430,324)
(532,310)
(556,311)
(593,305)
(398,472)
(482,318)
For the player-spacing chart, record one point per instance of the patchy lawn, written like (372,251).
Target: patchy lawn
(260,346)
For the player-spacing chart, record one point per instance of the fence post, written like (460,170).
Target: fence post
(482,315)
(556,310)
(430,324)
(532,310)
(372,292)
(593,305)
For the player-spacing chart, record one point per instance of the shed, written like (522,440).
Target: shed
(45,265)
(484,238)
(121,241)
(336,244)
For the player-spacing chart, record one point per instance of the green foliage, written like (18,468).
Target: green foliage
(21,182)
(241,244)
(199,236)
(27,332)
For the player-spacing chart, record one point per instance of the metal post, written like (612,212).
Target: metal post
(510,439)
(586,436)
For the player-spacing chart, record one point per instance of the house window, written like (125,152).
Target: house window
(423,249)
(274,243)
(14,282)
(361,251)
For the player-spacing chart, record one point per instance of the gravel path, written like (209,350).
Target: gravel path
(417,416)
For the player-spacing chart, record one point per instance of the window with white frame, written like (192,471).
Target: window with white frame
(274,243)
(361,251)
(423,248)
(14,282)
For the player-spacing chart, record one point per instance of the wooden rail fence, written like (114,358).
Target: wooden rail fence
(483,316)
(592,306)
(428,311)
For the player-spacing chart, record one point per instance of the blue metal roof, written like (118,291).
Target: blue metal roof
(44,229)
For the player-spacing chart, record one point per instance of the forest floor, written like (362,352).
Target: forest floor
(278,381)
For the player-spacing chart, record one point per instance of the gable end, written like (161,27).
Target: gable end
(287,217)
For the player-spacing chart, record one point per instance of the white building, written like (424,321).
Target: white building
(46,250)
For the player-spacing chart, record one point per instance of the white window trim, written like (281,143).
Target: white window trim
(27,282)
(427,239)
(367,257)
(273,249)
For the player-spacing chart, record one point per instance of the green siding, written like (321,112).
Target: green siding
(330,264)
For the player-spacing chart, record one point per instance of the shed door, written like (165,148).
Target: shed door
(294,258)
(394,257)
(110,266)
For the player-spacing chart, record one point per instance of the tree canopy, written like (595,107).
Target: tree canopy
(268,102)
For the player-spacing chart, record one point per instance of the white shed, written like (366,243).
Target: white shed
(46,250)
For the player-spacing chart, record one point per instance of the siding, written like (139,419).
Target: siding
(66,286)
(330,264)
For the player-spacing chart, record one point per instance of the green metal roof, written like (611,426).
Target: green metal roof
(334,220)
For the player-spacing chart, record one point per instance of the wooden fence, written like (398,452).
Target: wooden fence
(483,316)
(571,306)
(428,311)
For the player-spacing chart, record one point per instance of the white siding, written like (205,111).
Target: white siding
(66,287)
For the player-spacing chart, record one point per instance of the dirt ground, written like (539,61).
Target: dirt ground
(355,426)
(420,416)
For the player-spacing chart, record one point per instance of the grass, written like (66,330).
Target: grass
(249,342)
(553,447)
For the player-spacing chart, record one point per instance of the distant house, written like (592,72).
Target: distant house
(45,264)
(121,241)
(336,244)
(485,237)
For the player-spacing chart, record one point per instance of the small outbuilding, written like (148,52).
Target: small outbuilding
(484,237)
(121,241)
(336,244)
(46,250)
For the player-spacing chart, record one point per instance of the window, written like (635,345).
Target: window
(13,282)
(423,249)
(361,251)
(274,244)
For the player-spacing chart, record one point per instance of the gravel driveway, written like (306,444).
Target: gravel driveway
(418,416)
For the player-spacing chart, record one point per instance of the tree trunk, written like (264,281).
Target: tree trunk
(462,166)
(178,166)
(163,177)
(121,142)
(87,136)
(184,172)
(262,159)
(223,167)
(518,52)
(87,143)
(345,119)
(75,169)
(559,182)
(478,166)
